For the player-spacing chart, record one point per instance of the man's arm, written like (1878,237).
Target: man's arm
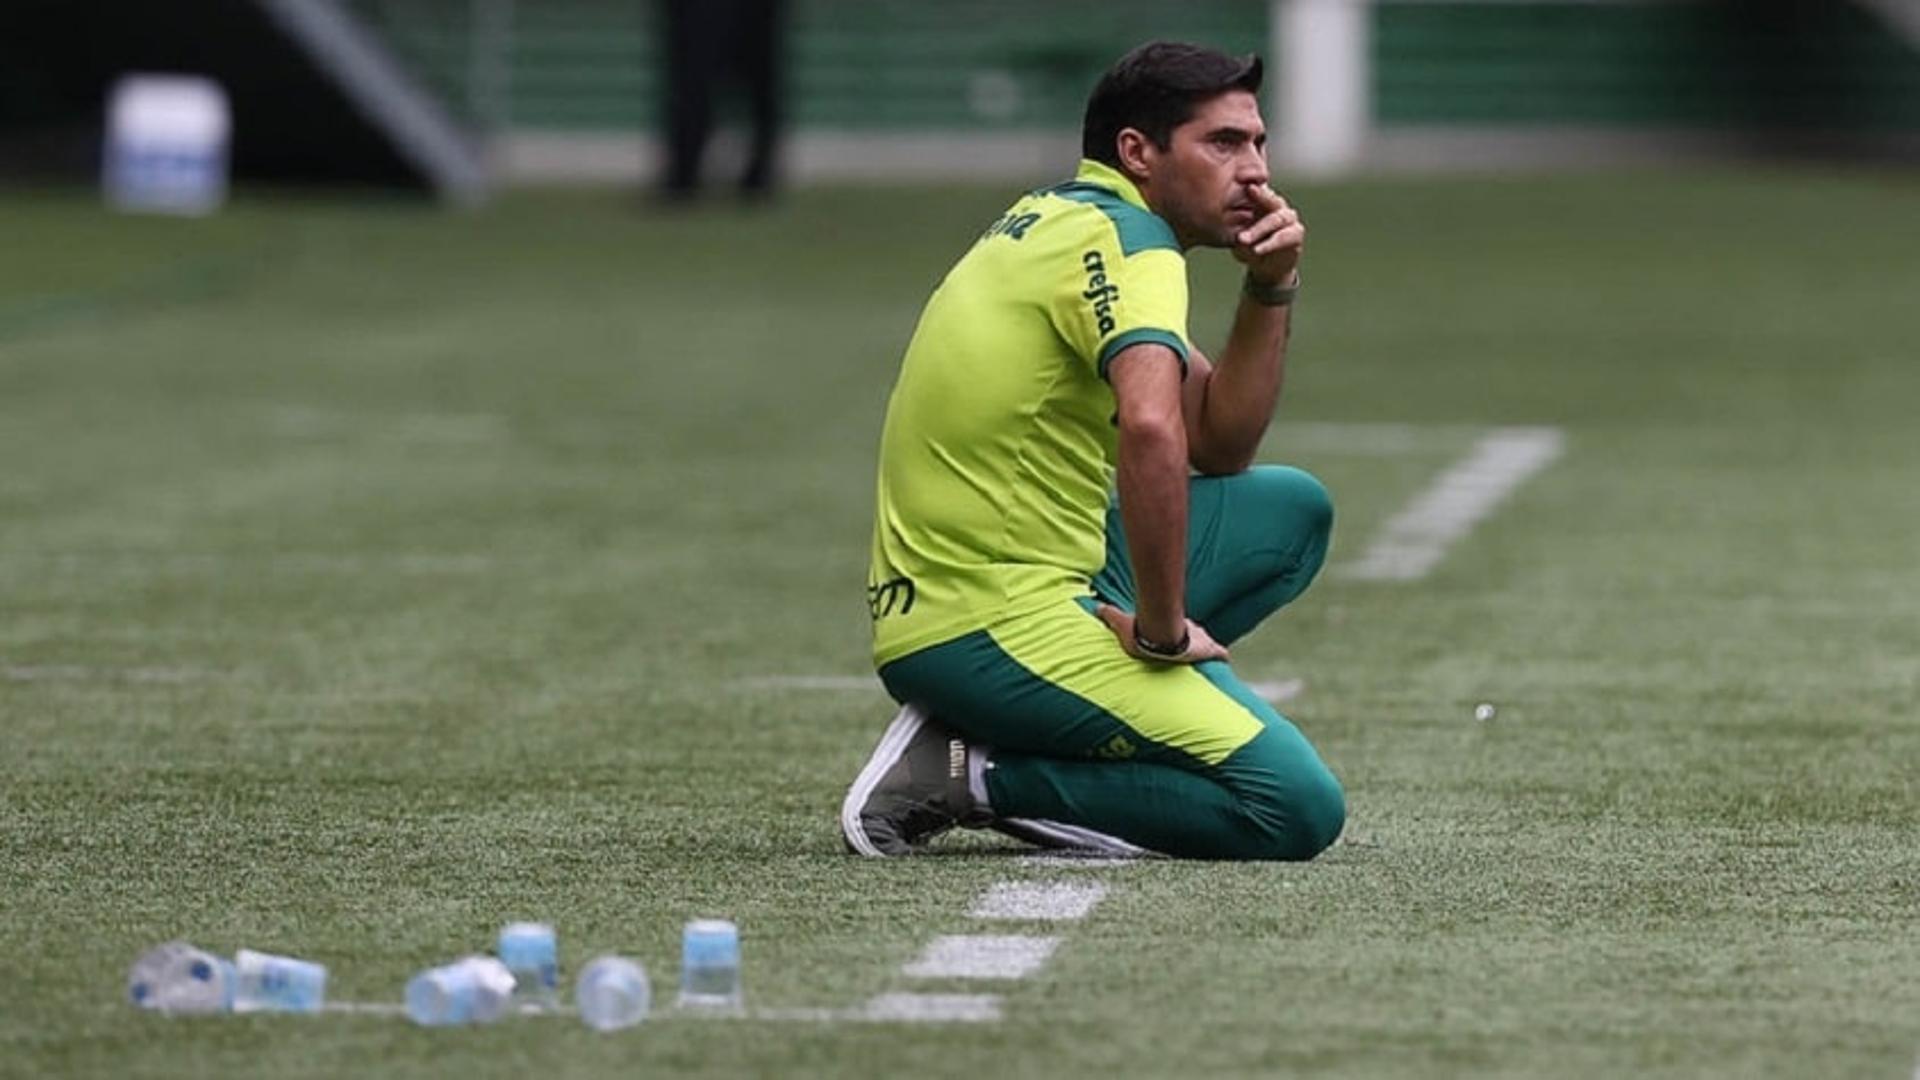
(1227,406)
(1152,482)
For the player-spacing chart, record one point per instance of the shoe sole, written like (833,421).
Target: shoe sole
(906,724)
(1058,836)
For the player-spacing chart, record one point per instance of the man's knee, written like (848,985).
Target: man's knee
(1295,499)
(1306,819)
(1300,817)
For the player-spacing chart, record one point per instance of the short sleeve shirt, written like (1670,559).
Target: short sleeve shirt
(997,457)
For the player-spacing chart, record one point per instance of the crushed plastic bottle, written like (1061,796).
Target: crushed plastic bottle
(268,983)
(473,990)
(180,978)
(612,993)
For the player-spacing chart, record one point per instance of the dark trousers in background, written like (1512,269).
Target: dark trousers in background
(710,47)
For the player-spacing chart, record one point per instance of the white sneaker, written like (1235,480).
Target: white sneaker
(912,788)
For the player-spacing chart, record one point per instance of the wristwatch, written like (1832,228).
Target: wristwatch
(1167,652)
(1272,295)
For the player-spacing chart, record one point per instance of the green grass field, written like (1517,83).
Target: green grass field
(372,575)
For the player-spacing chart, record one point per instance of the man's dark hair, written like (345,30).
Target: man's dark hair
(1156,88)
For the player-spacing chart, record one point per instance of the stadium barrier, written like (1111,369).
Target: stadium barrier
(909,90)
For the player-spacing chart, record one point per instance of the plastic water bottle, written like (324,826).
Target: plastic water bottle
(267,983)
(166,149)
(179,978)
(532,953)
(612,993)
(710,966)
(475,990)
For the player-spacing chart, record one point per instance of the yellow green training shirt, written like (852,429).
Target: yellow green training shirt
(996,461)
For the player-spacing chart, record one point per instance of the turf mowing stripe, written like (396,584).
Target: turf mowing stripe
(1038,902)
(81,673)
(456,429)
(1413,542)
(143,563)
(933,1008)
(982,956)
(179,281)
(1365,439)
(814,682)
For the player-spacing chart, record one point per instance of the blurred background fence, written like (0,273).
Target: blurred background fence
(569,89)
(1013,64)
(1445,83)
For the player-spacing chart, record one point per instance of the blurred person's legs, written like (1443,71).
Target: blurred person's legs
(759,49)
(710,47)
(692,31)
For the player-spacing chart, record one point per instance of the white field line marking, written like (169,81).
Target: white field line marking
(365,1008)
(982,956)
(1276,691)
(804,1014)
(1050,902)
(799,1013)
(885,1008)
(1414,540)
(933,1008)
(1064,861)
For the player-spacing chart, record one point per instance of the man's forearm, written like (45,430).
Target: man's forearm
(1152,480)
(1243,387)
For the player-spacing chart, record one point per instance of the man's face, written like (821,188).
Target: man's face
(1201,182)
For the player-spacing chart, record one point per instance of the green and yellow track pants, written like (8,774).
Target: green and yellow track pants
(1180,759)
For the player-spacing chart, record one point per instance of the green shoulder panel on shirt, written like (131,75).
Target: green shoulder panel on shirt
(1140,230)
